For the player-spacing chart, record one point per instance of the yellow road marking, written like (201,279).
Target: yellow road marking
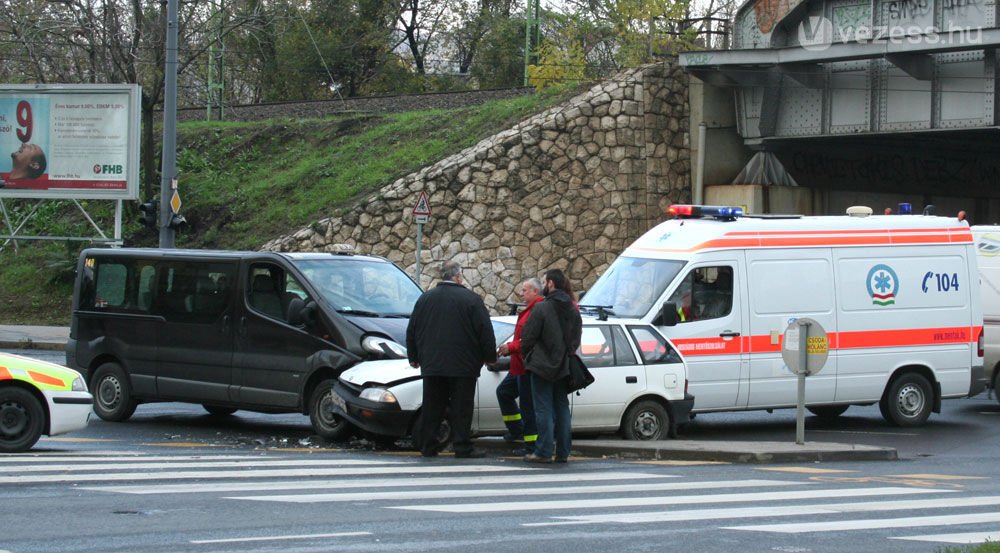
(807,470)
(941,477)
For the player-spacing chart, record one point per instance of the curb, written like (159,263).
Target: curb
(28,343)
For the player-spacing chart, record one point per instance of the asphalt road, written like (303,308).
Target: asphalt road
(174,478)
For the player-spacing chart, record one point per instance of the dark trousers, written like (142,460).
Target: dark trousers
(455,396)
(519,419)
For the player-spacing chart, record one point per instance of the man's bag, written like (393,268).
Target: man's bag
(579,375)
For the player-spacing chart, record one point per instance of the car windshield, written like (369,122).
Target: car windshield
(362,286)
(502,331)
(631,285)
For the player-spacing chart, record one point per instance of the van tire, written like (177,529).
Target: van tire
(828,411)
(646,420)
(22,419)
(113,400)
(907,401)
(324,422)
(219,411)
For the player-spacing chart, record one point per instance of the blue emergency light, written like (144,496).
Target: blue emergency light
(905,208)
(688,211)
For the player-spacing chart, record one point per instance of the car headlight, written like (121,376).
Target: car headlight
(383,347)
(79,385)
(380,395)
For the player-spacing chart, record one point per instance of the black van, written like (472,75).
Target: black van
(261,331)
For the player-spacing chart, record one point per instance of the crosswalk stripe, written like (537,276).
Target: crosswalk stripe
(663,500)
(198,464)
(263,473)
(116,457)
(278,538)
(868,524)
(509,479)
(502,492)
(772,511)
(966,538)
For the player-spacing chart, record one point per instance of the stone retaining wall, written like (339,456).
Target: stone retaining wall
(567,188)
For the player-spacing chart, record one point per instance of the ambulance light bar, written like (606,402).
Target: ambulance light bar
(687,211)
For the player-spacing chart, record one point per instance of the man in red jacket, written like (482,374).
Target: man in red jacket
(520,422)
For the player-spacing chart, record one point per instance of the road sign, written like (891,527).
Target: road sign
(175,202)
(422,211)
(817,347)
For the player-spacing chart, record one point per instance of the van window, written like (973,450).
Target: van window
(705,293)
(631,285)
(362,286)
(271,289)
(117,285)
(194,292)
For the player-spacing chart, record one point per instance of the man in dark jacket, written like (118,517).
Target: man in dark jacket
(552,332)
(449,337)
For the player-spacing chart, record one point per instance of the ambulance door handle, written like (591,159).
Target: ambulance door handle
(729,334)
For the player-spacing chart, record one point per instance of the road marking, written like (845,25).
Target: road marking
(772,511)
(203,464)
(807,470)
(528,478)
(940,477)
(76,440)
(275,538)
(182,444)
(273,473)
(869,524)
(504,492)
(670,463)
(864,433)
(660,501)
(966,538)
(124,459)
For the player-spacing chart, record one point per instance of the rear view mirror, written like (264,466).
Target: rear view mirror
(668,314)
(300,313)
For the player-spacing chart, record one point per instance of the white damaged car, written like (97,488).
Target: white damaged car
(640,387)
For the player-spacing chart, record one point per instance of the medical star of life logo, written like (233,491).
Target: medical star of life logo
(883,284)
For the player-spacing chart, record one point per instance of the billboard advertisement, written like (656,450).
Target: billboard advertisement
(69,141)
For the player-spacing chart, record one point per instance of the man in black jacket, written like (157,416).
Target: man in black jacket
(449,337)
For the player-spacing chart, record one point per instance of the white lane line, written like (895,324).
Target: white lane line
(841,525)
(201,464)
(772,511)
(119,458)
(967,538)
(397,483)
(275,538)
(398,470)
(506,492)
(663,500)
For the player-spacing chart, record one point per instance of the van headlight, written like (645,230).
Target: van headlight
(79,385)
(383,347)
(380,395)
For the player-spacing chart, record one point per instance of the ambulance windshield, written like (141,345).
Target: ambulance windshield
(631,285)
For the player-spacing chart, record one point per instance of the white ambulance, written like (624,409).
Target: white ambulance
(988,249)
(898,296)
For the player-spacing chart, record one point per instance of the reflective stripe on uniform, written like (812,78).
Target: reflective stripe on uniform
(531,438)
(512,418)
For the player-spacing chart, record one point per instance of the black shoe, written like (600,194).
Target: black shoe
(512,439)
(533,458)
(471,454)
(562,459)
(522,451)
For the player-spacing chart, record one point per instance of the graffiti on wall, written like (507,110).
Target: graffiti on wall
(770,12)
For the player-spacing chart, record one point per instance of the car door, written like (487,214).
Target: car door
(618,377)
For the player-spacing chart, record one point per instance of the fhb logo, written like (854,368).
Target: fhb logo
(113,169)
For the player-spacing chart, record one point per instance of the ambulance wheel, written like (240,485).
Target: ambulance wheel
(326,423)
(646,420)
(907,401)
(828,411)
(113,399)
(219,411)
(22,419)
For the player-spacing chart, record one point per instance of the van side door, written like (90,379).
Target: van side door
(194,360)
(712,332)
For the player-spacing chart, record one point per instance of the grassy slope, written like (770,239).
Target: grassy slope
(243,184)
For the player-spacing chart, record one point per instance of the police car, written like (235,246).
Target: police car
(39,398)
(640,387)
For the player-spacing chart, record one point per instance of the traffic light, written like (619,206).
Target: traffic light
(150,213)
(177,221)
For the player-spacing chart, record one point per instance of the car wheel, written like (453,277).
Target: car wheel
(828,411)
(646,420)
(22,420)
(112,391)
(219,411)
(325,422)
(908,401)
(996,382)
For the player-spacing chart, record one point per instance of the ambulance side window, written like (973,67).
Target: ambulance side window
(705,293)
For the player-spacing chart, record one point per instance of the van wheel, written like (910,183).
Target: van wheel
(113,399)
(646,420)
(828,411)
(907,401)
(327,424)
(219,411)
(22,419)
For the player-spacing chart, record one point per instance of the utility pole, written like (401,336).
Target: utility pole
(169,164)
(530,30)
